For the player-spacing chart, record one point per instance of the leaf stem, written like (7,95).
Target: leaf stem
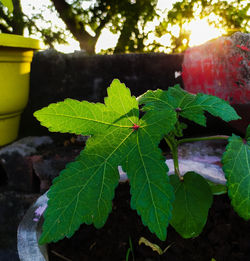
(216,137)
(174,151)
(176,162)
(169,143)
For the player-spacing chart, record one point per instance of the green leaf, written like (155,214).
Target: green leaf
(193,198)
(248,132)
(215,106)
(84,191)
(217,189)
(236,165)
(73,116)
(120,110)
(8,4)
(190,106)
(150,189)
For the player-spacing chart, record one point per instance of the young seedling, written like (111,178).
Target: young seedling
(130,250)
(84,190)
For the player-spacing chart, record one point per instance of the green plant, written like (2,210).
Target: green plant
(84,190)
(130,250)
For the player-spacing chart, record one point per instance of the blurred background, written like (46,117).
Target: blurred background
(115,26)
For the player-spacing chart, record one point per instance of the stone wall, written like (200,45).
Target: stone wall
(56,76)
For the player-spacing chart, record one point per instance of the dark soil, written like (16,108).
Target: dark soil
(226,237)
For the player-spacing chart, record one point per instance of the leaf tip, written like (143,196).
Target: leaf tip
(115,81)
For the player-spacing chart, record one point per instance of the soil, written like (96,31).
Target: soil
(225,237)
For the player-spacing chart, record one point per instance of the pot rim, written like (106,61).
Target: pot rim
(19,41)
(29,231)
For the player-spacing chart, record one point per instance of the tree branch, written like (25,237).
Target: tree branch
(76,26)
(32,23)
(125,35)
(102,24)
(17,22)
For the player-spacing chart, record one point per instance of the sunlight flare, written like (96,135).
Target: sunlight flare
(201,32)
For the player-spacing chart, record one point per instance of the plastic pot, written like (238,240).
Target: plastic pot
(16,53)
(29,231)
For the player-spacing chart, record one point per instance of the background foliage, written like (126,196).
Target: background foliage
(85,20)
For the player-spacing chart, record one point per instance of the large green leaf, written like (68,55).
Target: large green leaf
(84,191)
(88,118)
(236,165)
(217,189)
(151,192)
(189,106)
(193,198)
(248,132)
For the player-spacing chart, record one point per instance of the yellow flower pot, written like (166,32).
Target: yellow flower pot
(16,53)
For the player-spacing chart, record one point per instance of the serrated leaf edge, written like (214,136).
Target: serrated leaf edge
(228,147)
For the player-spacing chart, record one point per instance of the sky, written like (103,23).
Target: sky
(107,39)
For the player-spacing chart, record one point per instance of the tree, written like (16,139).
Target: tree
(12,22)
(15,22)
(126,17)
(230,15)
(86,19)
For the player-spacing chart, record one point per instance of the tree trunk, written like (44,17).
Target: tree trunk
(17,22)
(76,26)
(124,38)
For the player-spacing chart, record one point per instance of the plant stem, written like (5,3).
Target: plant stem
(174,151)
(169,143)
(176,162)
(216,137)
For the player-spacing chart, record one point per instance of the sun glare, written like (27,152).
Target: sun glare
(72,46)
(106,40)
(202,31)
